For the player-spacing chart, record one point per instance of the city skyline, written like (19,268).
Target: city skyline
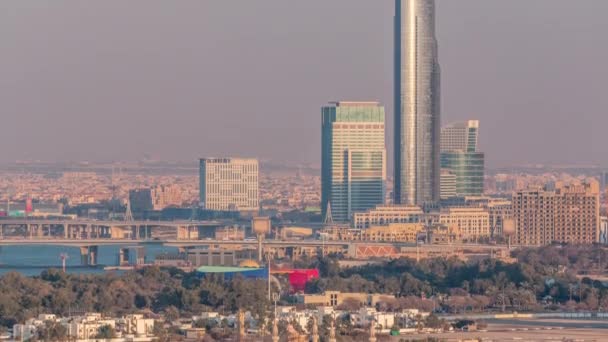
(487,75)
(290,227)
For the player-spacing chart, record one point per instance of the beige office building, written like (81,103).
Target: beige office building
(473,222)
(229,184)
(386,214)
(394,232)
(570,214)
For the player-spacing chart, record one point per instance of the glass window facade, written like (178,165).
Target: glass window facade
(417,103)
(468,167)
(353,158)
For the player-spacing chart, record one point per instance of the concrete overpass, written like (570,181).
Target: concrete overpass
(293,249)
(87,229)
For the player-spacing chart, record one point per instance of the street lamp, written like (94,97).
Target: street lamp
(275,298)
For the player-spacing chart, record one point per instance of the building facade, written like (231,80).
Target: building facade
(229,184)
(164,196)
(604,230)
(569,214)
(353,158)
(473,223)
(534,217)
(577,209)
(387,214)
(417,103)
(460,136)
(500,211)
(460,156)
(140,200)
(448,184)
(468,168)
(393,232)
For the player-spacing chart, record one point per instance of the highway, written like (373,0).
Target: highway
(229,243)
(107,223)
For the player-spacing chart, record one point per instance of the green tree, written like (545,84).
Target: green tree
(106,332)
(433,322)
(171,313)
(52,331)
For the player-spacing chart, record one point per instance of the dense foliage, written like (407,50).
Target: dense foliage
(544,278)
(170,292)
(548,276)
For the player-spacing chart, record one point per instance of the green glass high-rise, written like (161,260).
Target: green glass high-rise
(469,170)
(459,156)
(353,158)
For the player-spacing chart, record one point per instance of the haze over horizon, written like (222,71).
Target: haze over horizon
(115,80)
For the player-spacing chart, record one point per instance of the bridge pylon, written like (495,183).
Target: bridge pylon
(88,255)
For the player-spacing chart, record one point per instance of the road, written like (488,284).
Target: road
(557,330)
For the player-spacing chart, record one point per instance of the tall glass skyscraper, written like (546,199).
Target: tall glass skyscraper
(353,158)
(417,103)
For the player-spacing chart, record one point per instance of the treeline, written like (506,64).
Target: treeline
(547,277)
(170,292)
(542,278)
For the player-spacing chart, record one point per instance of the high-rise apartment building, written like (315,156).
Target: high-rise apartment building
(353,158)
(229,184)
(417,103)
(577,209)
(569,214)
(534,217)
(460,156)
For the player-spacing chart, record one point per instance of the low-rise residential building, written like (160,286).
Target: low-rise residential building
(366,315)
(337,298)
(473,222)
(129,328)
(394,232)
(445,234)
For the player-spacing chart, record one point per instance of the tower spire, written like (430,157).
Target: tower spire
(328,218)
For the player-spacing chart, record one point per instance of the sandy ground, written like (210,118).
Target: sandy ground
(528,330)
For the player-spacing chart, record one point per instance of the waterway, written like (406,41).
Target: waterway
(32,260)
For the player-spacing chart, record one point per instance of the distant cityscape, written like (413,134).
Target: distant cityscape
(204,250)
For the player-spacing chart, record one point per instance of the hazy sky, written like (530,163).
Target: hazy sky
(112,80)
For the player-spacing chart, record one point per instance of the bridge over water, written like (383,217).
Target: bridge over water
(87,228)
